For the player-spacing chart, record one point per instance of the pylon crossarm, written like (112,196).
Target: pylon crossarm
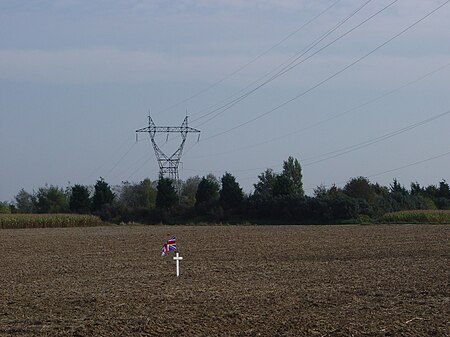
(168,164)
(168,129)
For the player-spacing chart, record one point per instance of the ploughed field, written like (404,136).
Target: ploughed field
(235,281)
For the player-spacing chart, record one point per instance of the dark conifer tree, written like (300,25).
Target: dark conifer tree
(231,195)
(166,195)
(80,201)
(103,195)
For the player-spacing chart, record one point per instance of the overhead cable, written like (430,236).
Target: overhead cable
(330,77)
(390,170)
(358,146)
(251,61)
(333,117)
(290,63)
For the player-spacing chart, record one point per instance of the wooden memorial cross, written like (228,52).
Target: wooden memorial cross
(178,258)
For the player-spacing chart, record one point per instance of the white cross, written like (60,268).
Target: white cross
(177,258)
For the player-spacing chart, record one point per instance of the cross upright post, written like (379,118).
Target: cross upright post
(178,258)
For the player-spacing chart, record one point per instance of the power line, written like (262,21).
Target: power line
(330,77)
(251,61)
(358,146)
(121,158)
(370,175)
(290,63)
(409,165)
(348,149)
(104,162)
(128,168)
(111,169)
(391,170)
(335,116)
(139,168)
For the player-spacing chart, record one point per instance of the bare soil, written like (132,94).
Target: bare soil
(235,281)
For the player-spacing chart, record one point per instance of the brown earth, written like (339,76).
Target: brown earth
(235,281)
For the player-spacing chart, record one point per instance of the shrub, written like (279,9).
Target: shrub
(4,208)
(51,199)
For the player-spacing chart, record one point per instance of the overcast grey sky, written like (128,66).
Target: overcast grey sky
(77,78)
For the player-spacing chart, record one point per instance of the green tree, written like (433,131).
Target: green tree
(231,195)
(402,199)
(444,190)
(437,194)
(334,205)
(265,186)
(283,186)
(416,189)
(127,194)
(432,191)
(189,191)
(147,194)
(207,194)
(166,195)
(24,202)
(360,188)
(4,208)
(51,200)
(443,195)
(103,195)
(80,200)
(422,196)
(293,172)
(140,195)
(322,192)
(397,188)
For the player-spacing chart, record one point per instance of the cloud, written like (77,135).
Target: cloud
(109,65)
(99,65)
(220,4)
(199,51)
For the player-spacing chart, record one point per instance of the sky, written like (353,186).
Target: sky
(366,91)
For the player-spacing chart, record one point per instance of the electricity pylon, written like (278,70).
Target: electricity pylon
(168,166)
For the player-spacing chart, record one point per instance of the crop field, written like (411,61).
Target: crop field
(235,281)
(12,221)
(418,216)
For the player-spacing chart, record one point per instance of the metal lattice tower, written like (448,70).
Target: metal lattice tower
(168,166)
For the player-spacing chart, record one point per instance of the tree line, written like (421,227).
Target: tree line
(277,198)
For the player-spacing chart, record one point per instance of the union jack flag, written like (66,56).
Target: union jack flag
(171,244)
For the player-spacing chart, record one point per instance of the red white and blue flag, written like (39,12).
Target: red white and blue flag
(171,244)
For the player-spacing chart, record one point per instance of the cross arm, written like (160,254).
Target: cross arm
(167,129)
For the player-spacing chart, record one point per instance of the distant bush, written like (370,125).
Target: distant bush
(4,208)
(48,220)
(417,216)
